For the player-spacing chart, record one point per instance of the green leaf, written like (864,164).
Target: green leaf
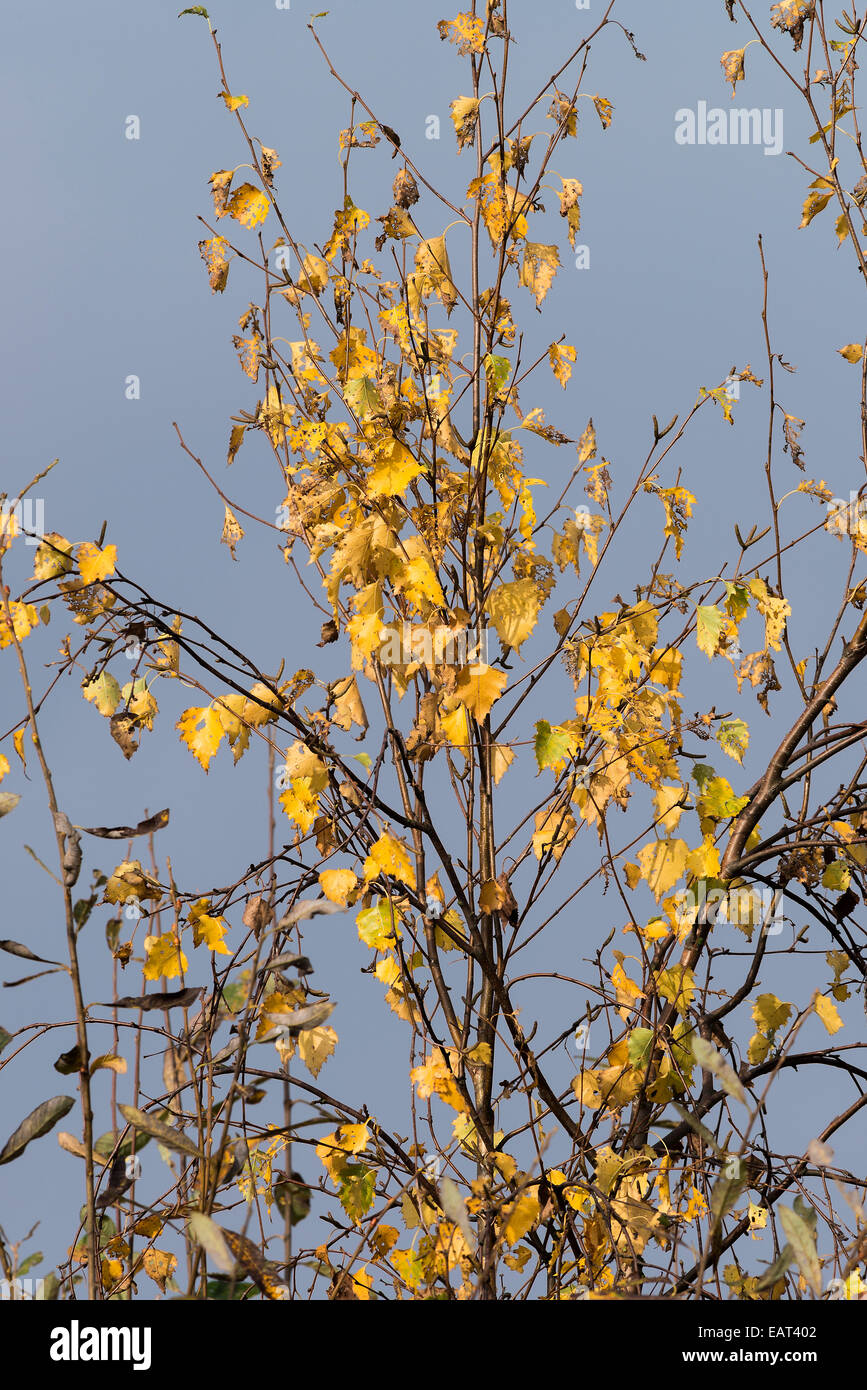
(709,621)
(551,745)
(733,736)
(801,1237)
(104,693)
(726,1191)
(292,1196)
(37,1123)
(365,760)
(106,1143)
(357,1189)
(207,1233)
(165,1134)
(362,396)
(30,1263)
(710,1060)
(737,601)
(640,1043)
(221,1290)
(196,9)
(777,1269)
(497,370)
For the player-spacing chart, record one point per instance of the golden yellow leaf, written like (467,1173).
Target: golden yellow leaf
(662,864)
(164,957)
(337,884)
(514,610)
(233,103)
(733,66)
(561,358)
(465,116)
(465,30)
(213,253)
(555,830)
(159,1265)
(521,1215)
(389,856)
(478,687)
(394,471)
(539,268)
(201,730)
(208,930)
(853,352)
(248,205)
(129,880)
(435,1077)
(827,1012)
(95,564)
(315,1046)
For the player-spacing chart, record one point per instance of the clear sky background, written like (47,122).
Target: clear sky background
(101,278)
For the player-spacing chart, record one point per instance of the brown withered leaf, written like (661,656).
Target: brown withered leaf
(158,999)
(405,189)
(127,832)
(121,727)
(256,915)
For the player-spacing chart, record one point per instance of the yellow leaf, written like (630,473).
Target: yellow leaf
(129,880)
(159,1265)
(376,928)
(435,1077)
(853,352)
(539,268)
(208,930)
(233,531)
(668,810)
(110,1063)
(248,205)
(770,1013)
(827,1013)
(521,1215)
(233,103)
(4,766)
(733,66)
(18,741)
(587,444)
(201,730)
(555,830)
(465,116)
(95,564)
(300,802)
(478,687)
(514,610)
(389,856)
(561,359)
(213,253)
(814,202)
(465,30)
(394,471)
(164,957)
(337,884)
(315,1046)
(662,864)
